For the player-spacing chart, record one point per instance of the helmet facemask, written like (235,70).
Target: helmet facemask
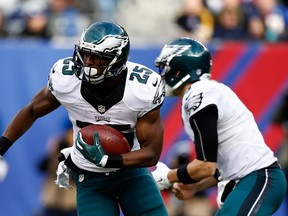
(174,80)
(91,74)
(173,75)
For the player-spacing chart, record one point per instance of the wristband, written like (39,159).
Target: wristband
(217,175)
(184,176)
(114,161)
(5,144)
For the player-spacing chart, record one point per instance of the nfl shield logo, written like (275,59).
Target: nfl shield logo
(101,108)
(81,178)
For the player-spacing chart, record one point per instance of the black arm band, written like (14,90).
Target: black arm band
(114,161)
(184,176)
(217,175)
(5,144)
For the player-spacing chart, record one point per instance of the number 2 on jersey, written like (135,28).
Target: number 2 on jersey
(68,67)
(141,74)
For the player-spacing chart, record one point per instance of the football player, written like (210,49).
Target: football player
(230,150)
(98,85)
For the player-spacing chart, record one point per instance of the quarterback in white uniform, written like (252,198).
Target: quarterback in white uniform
(238,134)
(98,85)
(230,150)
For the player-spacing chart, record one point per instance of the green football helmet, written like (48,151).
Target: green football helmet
(183,60)
(107,41)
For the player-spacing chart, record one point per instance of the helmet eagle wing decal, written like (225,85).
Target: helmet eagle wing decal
(111,43)
(169,51)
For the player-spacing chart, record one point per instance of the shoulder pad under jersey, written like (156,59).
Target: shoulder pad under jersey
(146,87)
(62,80)
(201,94)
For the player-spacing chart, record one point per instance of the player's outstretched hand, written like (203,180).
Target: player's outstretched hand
(160,176)
(184,191)
(94,153)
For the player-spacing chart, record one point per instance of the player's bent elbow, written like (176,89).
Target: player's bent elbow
(210,168)
(153,159)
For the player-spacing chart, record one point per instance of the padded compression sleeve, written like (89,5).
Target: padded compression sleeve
(204,126)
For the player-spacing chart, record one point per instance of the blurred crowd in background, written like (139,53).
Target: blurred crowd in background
(148,21)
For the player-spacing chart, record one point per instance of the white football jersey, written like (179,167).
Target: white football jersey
(144,91)
(241,147)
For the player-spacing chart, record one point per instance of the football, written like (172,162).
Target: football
(112,141)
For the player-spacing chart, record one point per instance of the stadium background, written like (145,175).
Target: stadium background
(257,72)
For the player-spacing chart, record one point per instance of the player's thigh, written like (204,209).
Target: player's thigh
(141,196)
(93,203)
(94,196)
(260,193)
(276,193)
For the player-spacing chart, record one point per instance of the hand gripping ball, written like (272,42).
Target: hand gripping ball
(112,140)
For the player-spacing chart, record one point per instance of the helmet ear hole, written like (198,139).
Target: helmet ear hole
(177,75)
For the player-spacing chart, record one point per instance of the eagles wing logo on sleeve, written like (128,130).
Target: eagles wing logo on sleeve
(111,43)
(169,51)
(193,102)
(160,92)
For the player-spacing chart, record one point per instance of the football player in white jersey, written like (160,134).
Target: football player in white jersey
(230,149)
(98,85)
